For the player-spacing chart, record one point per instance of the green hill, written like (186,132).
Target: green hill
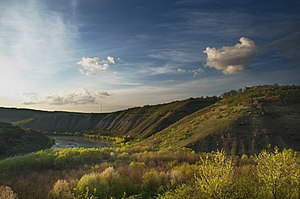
(138,122)
(14,140)
(244,121)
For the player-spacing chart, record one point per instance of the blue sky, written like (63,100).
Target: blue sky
(77,55)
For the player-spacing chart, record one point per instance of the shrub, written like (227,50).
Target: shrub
(279,174)
(154,182)
(183,191)
(215,176)
(103,185)
(91,181)
(246,183)
(7,193)
(62,190)
(182,173)
(114,181)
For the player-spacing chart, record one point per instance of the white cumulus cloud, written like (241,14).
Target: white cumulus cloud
(231,59)
(92,65)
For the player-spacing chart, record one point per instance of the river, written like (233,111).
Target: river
(77,141)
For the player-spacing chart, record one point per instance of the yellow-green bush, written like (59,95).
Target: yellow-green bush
(279,174)
(103,185)
(154,182)
(214,178)
(62,190)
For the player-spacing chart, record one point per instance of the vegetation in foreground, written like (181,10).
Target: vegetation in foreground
(118,173)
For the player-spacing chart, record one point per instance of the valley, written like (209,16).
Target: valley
(158,151)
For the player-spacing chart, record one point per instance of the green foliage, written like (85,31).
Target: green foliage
(245,183)
(215,176)
(62,190)
(182,173)
(103,185)
(66,158)
(174,174)
(279,174)
(153,182)
(94,182)
(264,93)
(182,191)
(56,159)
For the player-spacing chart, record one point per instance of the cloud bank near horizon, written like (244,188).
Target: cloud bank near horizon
(231,59)
(83,97)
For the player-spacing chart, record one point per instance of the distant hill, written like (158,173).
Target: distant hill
(138,122)
(15,140)
(17,114)
(244,121)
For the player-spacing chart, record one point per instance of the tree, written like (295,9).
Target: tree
(215,176)
(62,189)
(279,174)
(107,184)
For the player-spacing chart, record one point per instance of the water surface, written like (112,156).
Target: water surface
(78,141)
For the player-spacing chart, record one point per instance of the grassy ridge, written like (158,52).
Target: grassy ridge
(244,121)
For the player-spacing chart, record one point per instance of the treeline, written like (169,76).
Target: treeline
(264,93)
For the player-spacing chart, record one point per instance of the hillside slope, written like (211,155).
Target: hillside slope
(14,140)
(138,122)
(244,121)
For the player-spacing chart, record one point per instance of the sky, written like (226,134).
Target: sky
(108,55)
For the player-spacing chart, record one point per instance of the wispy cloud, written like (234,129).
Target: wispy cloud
(195,72)
(92,65)
(34,38)
(198,71)
(84,97)
(231,59)
(288,46)
(177,56)
(159,70)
